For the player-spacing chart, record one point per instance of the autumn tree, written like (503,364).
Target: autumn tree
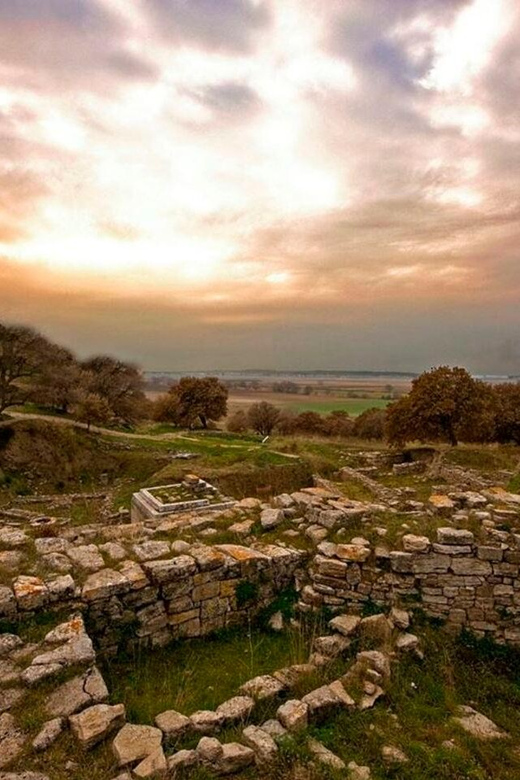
(197,398)
(338,423)
(23,354)
(119,383)
(263,417)
(166,409)
(309,422)
(507,412)
(370,424)
(93,409)
(61,381)
(444,404)
(286,423)
(238,422)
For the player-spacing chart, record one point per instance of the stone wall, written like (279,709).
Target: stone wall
(464,583)
(188,595)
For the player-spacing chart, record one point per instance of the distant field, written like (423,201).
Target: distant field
(321,404)
(353,406)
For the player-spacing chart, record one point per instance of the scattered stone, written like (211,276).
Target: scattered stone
(345,624)
(376,628)
(325,756)
(407,642)
(86,556)
(134,743)
(206,721)
(173,724)
(478,725)
(262,743)
(400,618)
(271,518)
(293,715)
(12,739)
(103,584)
(393,755)
(8,643)
(234,758)
(209,750)
(153,765)
(416,544)
(48,734)
(183,759)
(75,694)
(95,723)
(356,772)
(276,622)
(236,709)
(9,697)
(148,551)
(30,592)
(263,687)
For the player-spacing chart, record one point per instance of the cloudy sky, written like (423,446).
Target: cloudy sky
(264,183)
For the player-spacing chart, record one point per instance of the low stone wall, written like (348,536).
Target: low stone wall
(466,584)
(153,602)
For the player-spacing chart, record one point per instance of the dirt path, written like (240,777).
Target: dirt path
(15,416)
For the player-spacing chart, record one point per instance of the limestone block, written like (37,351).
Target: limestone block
(471,566)
(73,695)
(95,723)
(353,552)
(86,556)
(103,584)
(48,734)
(12,739)
(206,721)
(150,550)
(236,709)
(134,743)
(173,724)
(345,624)
(415,544)
(172,570)
(271,518)
(262,743)
(454,536)
(234,758)
(30,592)
(293,715)
(263,687)
(153,765)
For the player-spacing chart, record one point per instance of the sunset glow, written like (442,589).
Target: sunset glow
(200,169)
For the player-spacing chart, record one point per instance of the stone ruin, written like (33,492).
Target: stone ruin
(193,494)
(124,587)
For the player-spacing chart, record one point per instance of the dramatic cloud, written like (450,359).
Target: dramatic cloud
(285,183)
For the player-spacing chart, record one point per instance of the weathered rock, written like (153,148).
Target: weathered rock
(86,556)
(400,618)
(236,709)
(75,694)
(209,750)
(393,755)
(321,702)
(153,765)
(478,725)
(72,629)
(48,734)
(134,743)
(206,721)
(274,728)
(371,694)
(8,607)
(376,628)
(103,584)
(95,723)
(171,570)
(263,687)
(148,551)
(271,518)
(324,755)
(415,544)
(173,724)
(262,743)
(182,759)
(293,715)
(456,536)
(35,674)
(8,643)
(114,551)
(441,505)
(76,651)
(234,758)
(11,739)
(353,552)
(374,659)
(356,772)
(407,642)
(345,624)
(30,592)
(9,697)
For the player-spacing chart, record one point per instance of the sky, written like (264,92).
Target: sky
(286,184)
